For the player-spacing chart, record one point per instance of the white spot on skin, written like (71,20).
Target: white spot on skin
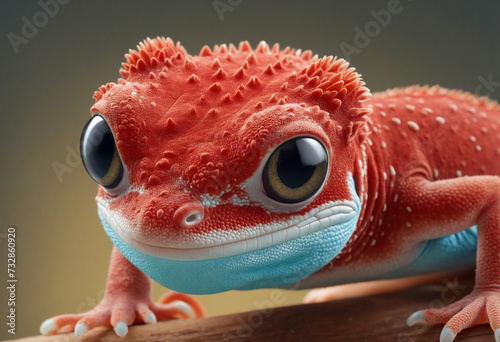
(436,173)
(379,105)
(396,198)
(371,218)
(410,108)
(426,110)
(478,148)
(393,171)
(472,138)
(380,222)
(453,107)
(153,104)
(440,119)
(134,93)
(384,145)
(373,243)
(413,125)
(459,173)
(385,175)
(408,209)
(483,114)
(408,224)
(391,106)
(396,121)
(385,207)
(383,114)
(484,130)
(369,141)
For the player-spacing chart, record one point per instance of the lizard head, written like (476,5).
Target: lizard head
(227,170)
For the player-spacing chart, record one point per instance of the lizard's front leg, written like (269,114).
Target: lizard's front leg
(127,300)
(442,208)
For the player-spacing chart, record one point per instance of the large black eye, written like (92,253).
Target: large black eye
(99,154)
(296,170)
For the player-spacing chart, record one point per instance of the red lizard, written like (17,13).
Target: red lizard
(243,169)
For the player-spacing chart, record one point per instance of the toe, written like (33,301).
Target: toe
(468,317)
(80,329)
(59,324)
(493,312)
(447,335)
(48,326)
(146,314)
(442,315)
(121,329)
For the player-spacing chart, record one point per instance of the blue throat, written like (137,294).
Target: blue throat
(276,266)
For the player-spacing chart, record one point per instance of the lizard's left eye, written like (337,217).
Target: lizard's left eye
(295,171)
(100,155)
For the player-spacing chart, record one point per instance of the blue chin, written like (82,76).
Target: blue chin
(275,266)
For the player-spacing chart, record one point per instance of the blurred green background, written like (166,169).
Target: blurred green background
(46,88)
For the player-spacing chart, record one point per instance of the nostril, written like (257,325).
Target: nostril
(193,218)
(188,215)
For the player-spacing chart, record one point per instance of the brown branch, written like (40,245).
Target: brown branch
(375,318)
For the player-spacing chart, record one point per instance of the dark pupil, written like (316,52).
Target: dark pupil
(102,154)
(291,171)
(98,149)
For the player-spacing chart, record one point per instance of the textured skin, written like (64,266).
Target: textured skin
(193,132)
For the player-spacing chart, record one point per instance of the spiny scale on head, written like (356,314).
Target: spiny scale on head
(328,81)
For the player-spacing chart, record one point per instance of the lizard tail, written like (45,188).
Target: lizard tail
(371,287)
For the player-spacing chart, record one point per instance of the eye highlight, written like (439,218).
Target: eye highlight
(99,153)
(296,170)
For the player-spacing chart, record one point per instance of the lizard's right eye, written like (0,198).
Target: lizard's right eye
(100,155)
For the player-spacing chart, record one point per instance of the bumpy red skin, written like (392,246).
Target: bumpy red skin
(206,122)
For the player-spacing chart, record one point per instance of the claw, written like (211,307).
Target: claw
(447,335)
(121,329)
(150,318)
(184,307)
(47,326)
(497,335)
(80,329)
(416,317)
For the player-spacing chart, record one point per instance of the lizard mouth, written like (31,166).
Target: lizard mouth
(327,215)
